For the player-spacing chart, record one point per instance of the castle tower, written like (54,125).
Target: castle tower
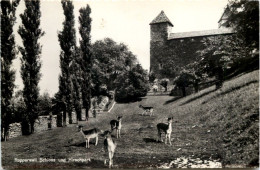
(160,29)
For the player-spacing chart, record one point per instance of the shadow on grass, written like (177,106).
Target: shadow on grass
(131,100)
(150,140)
(172,100)
(97,164)
(231,90)
(83,144)
(197,97)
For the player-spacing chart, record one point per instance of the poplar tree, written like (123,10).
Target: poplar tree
(30,33)
(85,48)
(8,54)
(67,39)
(77,82)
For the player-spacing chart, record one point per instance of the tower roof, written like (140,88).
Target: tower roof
(161,18)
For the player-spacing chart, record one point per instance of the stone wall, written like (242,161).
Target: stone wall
(169,56)
(41,124)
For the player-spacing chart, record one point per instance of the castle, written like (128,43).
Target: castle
(170,52)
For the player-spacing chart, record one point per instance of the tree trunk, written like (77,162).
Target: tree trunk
(78,113)
(32,126)
(64,118)
(70,116)
(196,87)
(25,128)
(219,77)
(59,119)
(4,133)
(183,91)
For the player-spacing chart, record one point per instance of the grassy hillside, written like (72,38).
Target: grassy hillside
(217,125)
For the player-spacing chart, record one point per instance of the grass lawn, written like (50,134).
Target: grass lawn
(213,124)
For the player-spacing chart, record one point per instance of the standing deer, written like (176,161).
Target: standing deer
(165,128)
(116,124)
(88,134)
(147,110)
(110,147)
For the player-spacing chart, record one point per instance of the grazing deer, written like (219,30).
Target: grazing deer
(88,134)
(116,124)
(110,147)
(165,128)
(147,110)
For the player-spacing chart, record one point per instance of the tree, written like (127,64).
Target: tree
(58,106)
(30,33)
(132,84)
(110,60)
(77,83)
(219,54)
(197,73)
(45,104)
(244,18)
(18,106)
(164,82)
(8,54)
(184,80)
(85,49)
(67,39)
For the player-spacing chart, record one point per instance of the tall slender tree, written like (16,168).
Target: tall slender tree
(77,82)
(30,33)
(67,39)
(8,53)
(85,48)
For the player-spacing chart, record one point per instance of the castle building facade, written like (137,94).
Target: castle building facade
(170,52)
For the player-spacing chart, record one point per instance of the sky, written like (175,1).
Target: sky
(125,21)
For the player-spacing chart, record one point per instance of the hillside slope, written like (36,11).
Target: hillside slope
(219,125)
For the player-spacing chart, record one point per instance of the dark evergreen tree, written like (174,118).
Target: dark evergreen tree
(67,39)
(8,53)
(30,33)
(85,49)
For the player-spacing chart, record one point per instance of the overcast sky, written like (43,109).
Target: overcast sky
(123,21)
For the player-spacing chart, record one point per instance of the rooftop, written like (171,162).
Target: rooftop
(180,35)
(161,18)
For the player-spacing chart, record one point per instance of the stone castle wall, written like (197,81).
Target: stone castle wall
(169,56)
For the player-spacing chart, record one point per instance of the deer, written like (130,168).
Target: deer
(147,109)
(89,134)
(165,128)
(110,147)
(116,124)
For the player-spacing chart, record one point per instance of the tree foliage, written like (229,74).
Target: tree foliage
(164,82)
(184,80)
(132,84)
(30,33)
(67,39)
(86,55)
(225,55)
(45,104)
(8,54)
(244,18)
(110,60)
(77,82)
